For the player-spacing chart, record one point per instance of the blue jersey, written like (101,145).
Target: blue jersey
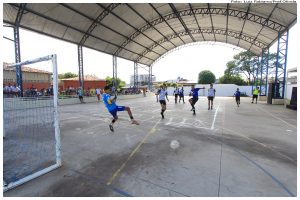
(181,92)
(237,94)
(110,105)
(195,92)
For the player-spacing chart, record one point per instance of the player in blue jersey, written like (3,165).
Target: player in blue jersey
(181,95)
(110,103)
(194,99)
(237,95)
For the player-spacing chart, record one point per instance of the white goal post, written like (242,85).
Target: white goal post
(24,119)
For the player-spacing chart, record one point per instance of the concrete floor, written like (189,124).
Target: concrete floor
(226,152)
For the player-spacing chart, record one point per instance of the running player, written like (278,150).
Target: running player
(181,95)
(194,99)
(255,94)
(210,96)
(162,96)
(237,95)
(176,93)
(110,103)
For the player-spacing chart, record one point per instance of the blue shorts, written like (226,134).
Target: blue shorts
(114,111)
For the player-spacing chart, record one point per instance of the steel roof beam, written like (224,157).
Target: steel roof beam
(181,21)
(67,25)
(148,22)
(86,35)
(164,20)
(211,21)
(263,25)
(230,33)
(190,5)
(129,25)
(205,11)
(245,19)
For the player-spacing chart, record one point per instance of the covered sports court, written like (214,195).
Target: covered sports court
(226,152)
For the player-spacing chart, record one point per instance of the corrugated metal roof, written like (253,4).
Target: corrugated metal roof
(143,32)
(25,69)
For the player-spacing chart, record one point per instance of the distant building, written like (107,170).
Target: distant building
(31,77)
(90,82)
(143,79)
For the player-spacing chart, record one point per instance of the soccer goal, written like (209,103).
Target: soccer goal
(31,134)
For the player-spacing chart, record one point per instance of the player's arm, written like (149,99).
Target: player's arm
(167,96)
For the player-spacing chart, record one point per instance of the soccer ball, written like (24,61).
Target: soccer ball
(174,144)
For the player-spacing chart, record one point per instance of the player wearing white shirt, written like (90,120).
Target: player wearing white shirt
(162,96)
(211,96)
(98,93)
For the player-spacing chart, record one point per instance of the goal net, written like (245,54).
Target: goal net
(31,135)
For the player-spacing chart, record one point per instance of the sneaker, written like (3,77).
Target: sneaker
(111,128)
(194,113)
(211,107)
(135,122)
(208,108)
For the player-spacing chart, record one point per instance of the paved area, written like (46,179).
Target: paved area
(229,151)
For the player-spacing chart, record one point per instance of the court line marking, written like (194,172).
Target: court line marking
(215,116)
(152,130)
(278,118)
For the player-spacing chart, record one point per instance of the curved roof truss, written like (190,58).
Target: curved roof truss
(143,32)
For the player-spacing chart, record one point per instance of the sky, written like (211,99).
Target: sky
(186,62)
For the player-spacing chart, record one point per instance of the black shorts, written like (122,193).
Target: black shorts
(255,96)
(162,102)
(194,100)
(210,98)
(237,98)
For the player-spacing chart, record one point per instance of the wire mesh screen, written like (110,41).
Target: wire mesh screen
(30,126)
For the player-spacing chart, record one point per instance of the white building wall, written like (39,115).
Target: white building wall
(288,91)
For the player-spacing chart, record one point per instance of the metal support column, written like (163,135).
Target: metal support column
(135,76)
(264,65)
(149,79)
(80,67)
(115,74)
(255,69)
(19,79)
(256,73)
(281,60)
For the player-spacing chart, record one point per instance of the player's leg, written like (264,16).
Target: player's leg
(163,108)
(115,118)
(191,102)
(208,102)
(194,102)
(212,102)
(122,108)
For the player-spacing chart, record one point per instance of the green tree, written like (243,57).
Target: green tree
(206,77)
(67,75)
(232,79)
(246,62)
(120,83)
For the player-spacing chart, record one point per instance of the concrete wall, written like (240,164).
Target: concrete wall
(222,90)
(75,100)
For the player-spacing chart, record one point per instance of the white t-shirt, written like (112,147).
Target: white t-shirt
(211,92)
(97,91)
(162,94)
